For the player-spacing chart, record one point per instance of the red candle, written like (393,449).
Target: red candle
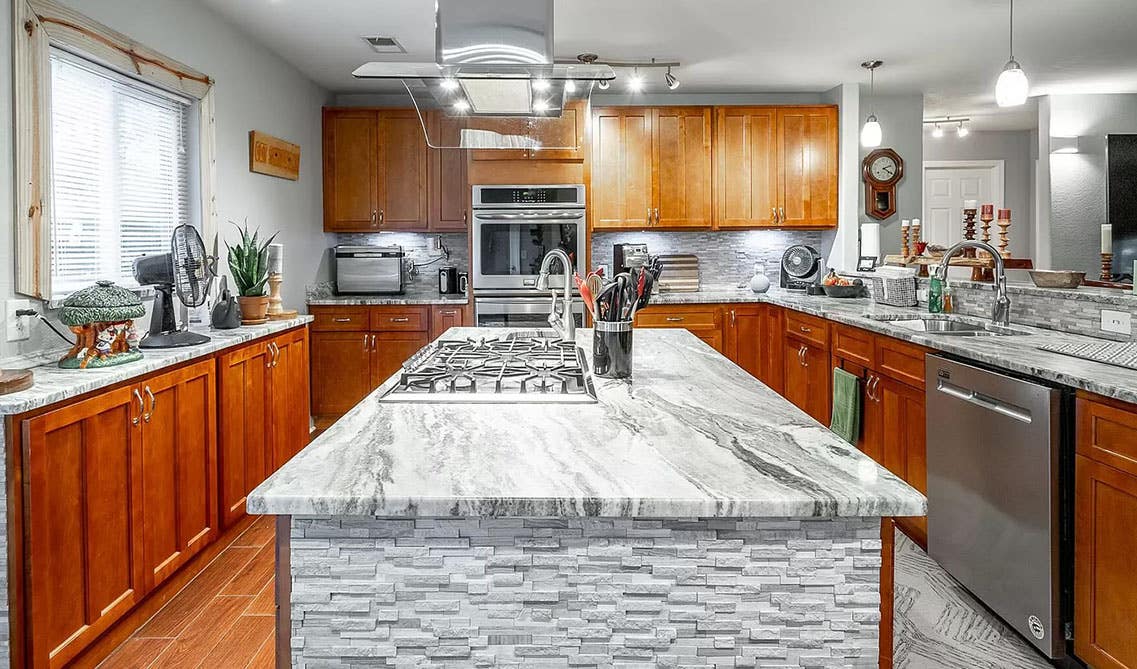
(988,210)
(1004,214)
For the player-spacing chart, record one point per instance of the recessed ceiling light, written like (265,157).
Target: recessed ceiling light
(461,105)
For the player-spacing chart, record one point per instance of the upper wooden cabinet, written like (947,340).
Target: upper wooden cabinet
(448,177)
(651,166)
(351,170)
(776,167)
(564,134)
(402,171)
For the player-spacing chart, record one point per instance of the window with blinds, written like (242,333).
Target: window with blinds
(121,172)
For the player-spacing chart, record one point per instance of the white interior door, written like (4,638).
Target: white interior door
(947,185)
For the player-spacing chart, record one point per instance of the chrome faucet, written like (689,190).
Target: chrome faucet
(1001,313)
(560,314)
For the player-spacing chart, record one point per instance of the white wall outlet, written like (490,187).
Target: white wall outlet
(922,294)
(1120,322)
(18,327)
(436,243)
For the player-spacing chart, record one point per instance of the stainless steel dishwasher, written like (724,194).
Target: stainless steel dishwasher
(998,506)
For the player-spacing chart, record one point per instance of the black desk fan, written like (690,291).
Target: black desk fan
(185,269)
(801,267)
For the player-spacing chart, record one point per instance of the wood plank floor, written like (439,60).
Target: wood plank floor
(225,617)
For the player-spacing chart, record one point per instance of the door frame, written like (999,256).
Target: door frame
(997,168)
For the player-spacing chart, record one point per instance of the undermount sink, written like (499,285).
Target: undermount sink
(946,325)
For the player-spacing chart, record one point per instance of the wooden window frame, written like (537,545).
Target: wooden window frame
(37,26)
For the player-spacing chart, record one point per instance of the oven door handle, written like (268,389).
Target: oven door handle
(529,217)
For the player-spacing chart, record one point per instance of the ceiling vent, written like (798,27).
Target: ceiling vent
(381,44)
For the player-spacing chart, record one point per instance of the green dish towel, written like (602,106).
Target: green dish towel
(846,420)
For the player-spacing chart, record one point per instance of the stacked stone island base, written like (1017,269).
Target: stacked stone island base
(584,592)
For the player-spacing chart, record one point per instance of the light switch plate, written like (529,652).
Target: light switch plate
(1119,322)
(18,327)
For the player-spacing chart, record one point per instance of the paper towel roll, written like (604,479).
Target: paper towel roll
(276,258)
(870,240)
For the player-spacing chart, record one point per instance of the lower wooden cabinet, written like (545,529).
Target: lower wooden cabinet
(744,334)
(898,421)
(1105,590)
(444,317)
(705,321)
(808,378)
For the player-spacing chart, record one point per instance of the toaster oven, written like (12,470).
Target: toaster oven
(369,270)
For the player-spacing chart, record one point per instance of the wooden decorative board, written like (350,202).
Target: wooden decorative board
(273,156)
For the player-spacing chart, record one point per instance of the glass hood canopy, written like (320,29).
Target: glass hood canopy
(495,85)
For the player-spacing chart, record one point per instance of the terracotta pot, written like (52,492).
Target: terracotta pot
(254,310)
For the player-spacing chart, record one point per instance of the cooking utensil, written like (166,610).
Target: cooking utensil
(585,293)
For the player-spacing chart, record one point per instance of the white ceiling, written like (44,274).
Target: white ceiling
(950,50)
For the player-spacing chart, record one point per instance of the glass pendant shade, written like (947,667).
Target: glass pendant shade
(871,134)
(1012,87)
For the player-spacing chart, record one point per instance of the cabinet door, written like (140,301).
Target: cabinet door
(449,186)
(745,337)
(391,350)
(178,468)
(351,170)
(566,131)
(807,378)
(746,174)
(341,371)
(621,172)
(861,372)
(442,318)
(773,328)
(290,394)
(245,419)
(403,201)
(904,443)
(1105,591)
(681,166)
(807,156)
(83,515)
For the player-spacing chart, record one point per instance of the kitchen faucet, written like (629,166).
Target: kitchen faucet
(1001,313)
(560,315)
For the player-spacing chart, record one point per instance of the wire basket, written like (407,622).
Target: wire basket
(894,291)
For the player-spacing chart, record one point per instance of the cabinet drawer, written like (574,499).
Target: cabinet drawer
(854,345)
(399,319)
(339,319)
(808,328)
(669,317)
(1107,432)
(902,361)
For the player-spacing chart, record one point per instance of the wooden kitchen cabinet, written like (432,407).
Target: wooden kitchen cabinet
(1105,513)
(341,371)
(744,336)
(403,190)
(747,191)
(389,350)
(443,317)
(351,170)
(808,377)
(807,159)
(902,441)
(773,328)
(84,520)
(448,176)
(651,167)
(290,394)
(705,321)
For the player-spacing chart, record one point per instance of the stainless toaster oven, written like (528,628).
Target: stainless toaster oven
(369,270)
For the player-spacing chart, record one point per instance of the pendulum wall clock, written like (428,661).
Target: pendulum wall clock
(881,170)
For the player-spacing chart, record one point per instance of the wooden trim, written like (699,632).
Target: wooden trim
(31,97)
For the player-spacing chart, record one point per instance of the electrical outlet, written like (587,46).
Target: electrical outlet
(18,327)
(436,243)
(922,294)
(1119,322)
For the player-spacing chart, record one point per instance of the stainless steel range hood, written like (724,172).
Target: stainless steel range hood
(494,78)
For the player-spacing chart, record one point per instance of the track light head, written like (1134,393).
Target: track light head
(962,131)
(635,82)
(603,85)
(937,131)
(671,79)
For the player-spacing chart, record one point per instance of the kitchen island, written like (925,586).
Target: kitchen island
(690,517)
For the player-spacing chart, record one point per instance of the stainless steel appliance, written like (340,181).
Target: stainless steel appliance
(513,228)
(626,257)
(447,280)
(801,267)
(369,270)
(511,369)
(680,273)
(999,503)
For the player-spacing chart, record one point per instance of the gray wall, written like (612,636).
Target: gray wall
(901,120)
(255,89)
(1078,181)
(1014,148)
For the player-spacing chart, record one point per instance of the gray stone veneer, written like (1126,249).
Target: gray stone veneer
(584,592)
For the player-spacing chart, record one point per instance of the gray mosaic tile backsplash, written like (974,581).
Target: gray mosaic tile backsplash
(417,247)
(725,258)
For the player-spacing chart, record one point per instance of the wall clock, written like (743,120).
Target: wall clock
(881,170)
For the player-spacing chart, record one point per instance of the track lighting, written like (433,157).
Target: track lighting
(938,123)
(671,79)
(937,131)
(635,82)
(603,85)
(962,131)
(871,133)
(1012,87)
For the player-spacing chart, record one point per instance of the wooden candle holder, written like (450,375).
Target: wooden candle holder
(1107,267)
(1004,224)
(905,249)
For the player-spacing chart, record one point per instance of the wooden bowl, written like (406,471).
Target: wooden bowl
(1045,278)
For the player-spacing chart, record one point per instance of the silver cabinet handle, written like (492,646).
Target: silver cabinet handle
(268,349)
(773,214)
(153,403)
(341,320)
(380,218)
(373,342)
(868,388)
(465,215)
(804,352)
(401,319)
(781,215)
(141,407)
(657,215)
(374,217)
(804,329)
(674,319)
(365,343)
(649,216)
(275,354)
(448,313)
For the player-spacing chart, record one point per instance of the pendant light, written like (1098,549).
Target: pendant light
(1012,87)
(871,135)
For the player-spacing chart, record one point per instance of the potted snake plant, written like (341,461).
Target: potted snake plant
(248,263)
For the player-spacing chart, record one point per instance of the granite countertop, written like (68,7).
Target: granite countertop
(322,296)
(1018,353)
(692,435)
(53,384)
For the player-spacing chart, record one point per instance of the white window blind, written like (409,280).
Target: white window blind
(121,172)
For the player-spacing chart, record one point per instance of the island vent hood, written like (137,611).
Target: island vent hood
(494,83)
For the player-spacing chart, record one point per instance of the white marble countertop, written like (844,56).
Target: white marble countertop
(53,384)
(692,435)
(1018,354)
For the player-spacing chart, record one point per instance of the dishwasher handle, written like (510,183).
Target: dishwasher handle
(984,401)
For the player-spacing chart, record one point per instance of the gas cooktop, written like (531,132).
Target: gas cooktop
(508,370)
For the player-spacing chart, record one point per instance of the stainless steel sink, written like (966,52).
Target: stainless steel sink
(947,325)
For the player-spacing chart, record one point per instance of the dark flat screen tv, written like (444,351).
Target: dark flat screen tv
(1121,200)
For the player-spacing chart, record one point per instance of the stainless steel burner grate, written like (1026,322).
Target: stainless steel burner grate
(518,369)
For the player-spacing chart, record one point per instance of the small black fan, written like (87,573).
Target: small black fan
(801,267)
(186,269)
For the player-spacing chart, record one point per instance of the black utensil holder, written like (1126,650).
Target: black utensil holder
(612,349)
